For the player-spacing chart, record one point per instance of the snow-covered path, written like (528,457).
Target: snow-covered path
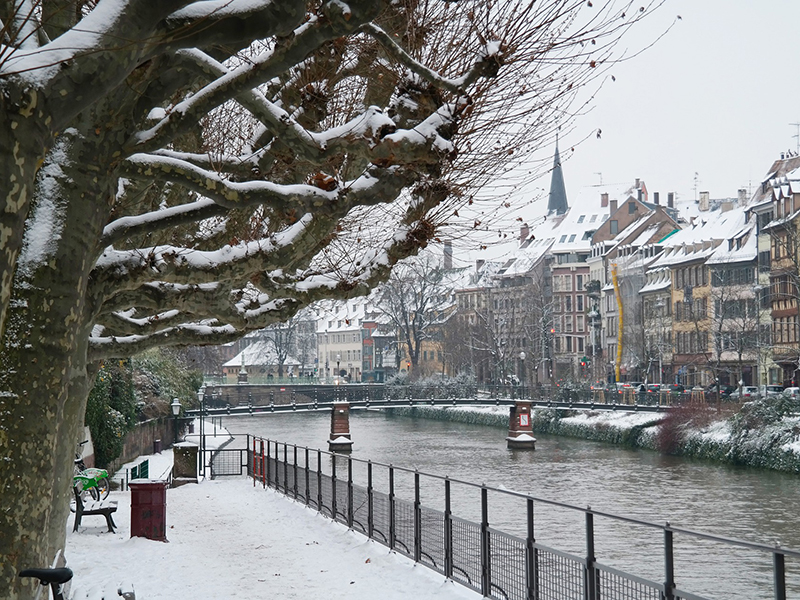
(229,539)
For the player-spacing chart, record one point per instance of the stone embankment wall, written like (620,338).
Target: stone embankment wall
(140,440)
(772,446)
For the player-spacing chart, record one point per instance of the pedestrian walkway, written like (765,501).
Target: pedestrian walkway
(229,539)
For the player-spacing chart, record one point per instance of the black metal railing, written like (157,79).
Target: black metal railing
(496,563)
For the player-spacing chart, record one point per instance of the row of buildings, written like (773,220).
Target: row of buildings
(618,284)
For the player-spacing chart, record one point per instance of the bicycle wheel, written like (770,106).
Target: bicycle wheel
(94,493)
(103,487)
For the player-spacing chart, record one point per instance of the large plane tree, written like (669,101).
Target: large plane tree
(181,172)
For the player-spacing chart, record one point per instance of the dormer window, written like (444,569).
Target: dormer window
(581,218)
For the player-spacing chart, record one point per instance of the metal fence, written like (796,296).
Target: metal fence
(495,563)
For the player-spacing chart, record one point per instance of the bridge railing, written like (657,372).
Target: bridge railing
(507,560)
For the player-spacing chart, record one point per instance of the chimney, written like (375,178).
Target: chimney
(448,255)
(726,206)
(640,195)
(742,196)
(655,197)
(704,201)
(612,208)
(604,200)
(637,184)
(671,199)
(524,232)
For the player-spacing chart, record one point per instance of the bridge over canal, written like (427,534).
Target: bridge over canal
(238,399)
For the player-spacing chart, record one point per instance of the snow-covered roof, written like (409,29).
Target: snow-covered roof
(262,354)
(701,237)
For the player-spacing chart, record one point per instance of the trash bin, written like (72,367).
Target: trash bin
(149,509)
(156,446)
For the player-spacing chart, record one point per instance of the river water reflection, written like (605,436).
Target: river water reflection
(750,504)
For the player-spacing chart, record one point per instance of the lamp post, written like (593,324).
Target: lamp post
(338,360)
(522,356)
(201,397)
(176,410)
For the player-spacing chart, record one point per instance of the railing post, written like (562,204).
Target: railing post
(532,556)
(590,587)
(308,491)
(669,565)
(448,532)
(391,508)
(269,461)
(319,480)
(253,462)
(486,575)
(779,570)
(370,515)
(294,472)
(263,474)
(333,488)
(349,492)
(286,468)
(417,520)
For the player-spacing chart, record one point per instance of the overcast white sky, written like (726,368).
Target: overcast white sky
(715,97)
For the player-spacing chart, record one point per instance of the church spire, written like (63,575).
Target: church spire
(557,204)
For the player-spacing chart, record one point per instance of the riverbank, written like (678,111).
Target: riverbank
(759,435)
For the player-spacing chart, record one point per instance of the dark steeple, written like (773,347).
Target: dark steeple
(557,204)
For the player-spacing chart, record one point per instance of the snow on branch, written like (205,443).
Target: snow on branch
(271,63)
(486,66)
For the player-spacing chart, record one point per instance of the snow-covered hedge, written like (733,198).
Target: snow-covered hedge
(762,434)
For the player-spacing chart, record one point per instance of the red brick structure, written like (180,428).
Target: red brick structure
(520,426)
(340,428)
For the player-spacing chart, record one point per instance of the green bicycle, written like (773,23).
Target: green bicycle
(92,480)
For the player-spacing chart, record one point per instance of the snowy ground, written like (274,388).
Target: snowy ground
(228,539)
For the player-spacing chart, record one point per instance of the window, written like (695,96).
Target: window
(569,344)
(563,239)
(580,344)
(579,302)
(579,283)
(581,218)
(567,303)
(568,324)
(613,226)
(593,219)
(579,323)
(572,238)
(631,207)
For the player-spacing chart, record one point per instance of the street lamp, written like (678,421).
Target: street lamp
(201,398)
(522,356)
(176,410)
(338,359)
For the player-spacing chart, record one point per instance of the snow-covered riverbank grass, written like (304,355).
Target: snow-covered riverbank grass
(761,434)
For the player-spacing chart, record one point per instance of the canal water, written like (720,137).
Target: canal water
(735,502)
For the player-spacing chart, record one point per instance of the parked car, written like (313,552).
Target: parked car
(792,392)
(725,391)
(653,388)
(771,391)
(747,392)
(674,388)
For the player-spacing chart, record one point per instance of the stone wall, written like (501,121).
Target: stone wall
(140,441)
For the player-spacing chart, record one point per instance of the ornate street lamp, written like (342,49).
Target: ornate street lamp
(176,410)
(522,357)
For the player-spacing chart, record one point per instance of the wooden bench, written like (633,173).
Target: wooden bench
(93,507)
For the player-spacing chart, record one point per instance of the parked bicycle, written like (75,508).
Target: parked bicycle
(92,480)
(56,578)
